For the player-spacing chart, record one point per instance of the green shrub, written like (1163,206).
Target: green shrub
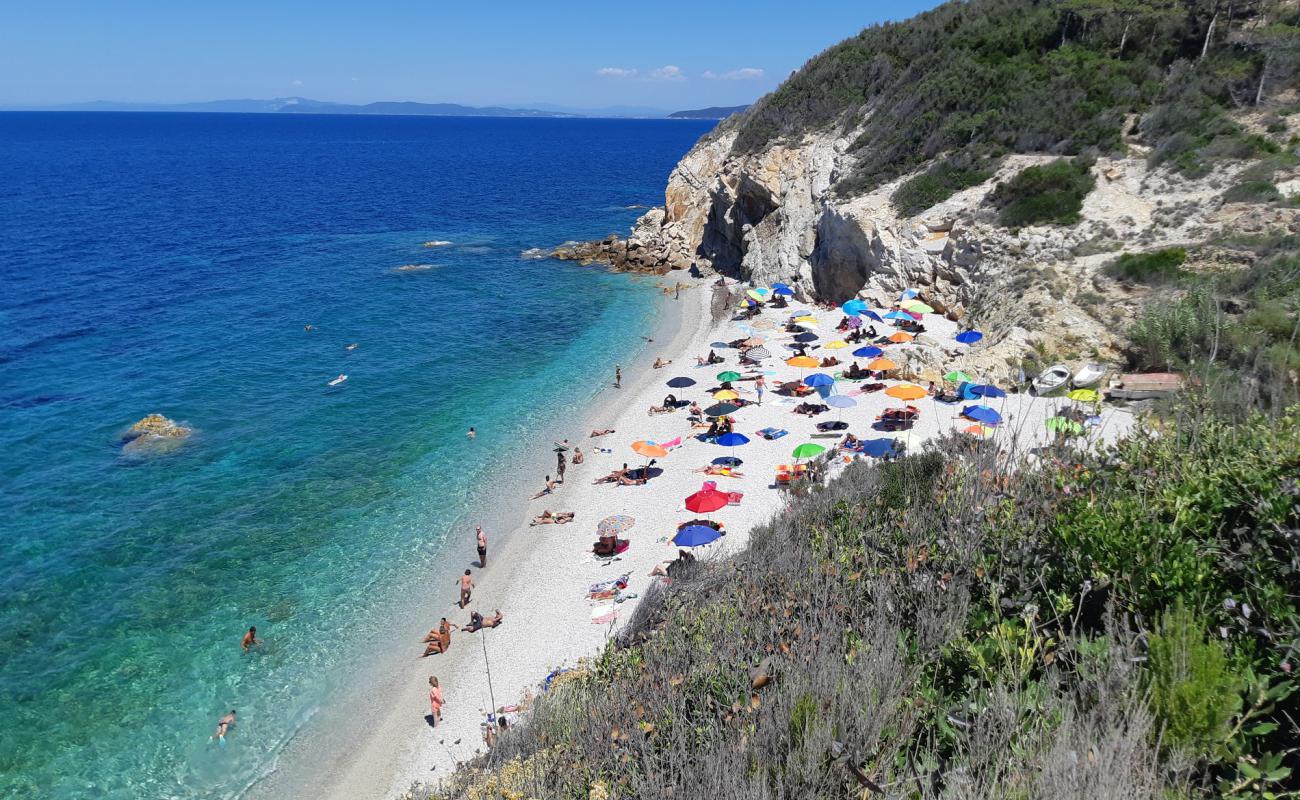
(802,719)
(1160,266)
(1194,693)
(936,184)
(1252,192)
(1050,194)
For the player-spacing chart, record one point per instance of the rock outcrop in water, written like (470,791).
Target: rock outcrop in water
(154,433)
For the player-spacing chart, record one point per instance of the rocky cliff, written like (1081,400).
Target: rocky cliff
(772,215)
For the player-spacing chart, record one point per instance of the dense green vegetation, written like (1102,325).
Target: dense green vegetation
(1116,624)
(1238,330)
(943,178)
(983,78)
(1049,194)
(1156,267)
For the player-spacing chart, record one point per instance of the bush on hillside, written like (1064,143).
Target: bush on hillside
(1252,192)
(942,180)
(1159,266)
(1049,194)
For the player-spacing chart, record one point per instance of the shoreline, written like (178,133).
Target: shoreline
(357,746)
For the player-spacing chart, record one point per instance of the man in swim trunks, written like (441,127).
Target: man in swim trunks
(250,640)
(223,725)
(482,547)
(560,464)
(466,587)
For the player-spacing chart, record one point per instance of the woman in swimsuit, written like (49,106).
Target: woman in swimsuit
(435,700)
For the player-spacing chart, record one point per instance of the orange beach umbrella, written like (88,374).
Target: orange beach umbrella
(906,391)
(881,365)
(648,449)
(803,362)
(901,337)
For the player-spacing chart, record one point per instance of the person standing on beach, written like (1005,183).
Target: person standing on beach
(759,385)
(435,700)
(250,640)
(466,587)
(482,547)
(677,291)
(560,464)
(618,376)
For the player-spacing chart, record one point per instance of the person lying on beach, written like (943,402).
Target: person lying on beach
(613,477)
(660,363)
(478,622)
(830,361)
(550,487)
(223,726)
(662,409)
(549,518)
(604,432)
(809,409)
(439,639)
(717,469)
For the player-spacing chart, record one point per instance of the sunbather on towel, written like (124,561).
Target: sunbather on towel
(810,409)
(549,518)
(604,432)
(613,477)
(715,469)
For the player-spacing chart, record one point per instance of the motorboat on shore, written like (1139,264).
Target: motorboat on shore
(1051,379)
(1088,376)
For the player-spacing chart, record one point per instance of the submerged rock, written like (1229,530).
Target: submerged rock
(154,432)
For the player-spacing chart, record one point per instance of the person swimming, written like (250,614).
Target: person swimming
(223,727)
(250,640)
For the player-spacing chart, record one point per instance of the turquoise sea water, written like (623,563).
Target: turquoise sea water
(169,263)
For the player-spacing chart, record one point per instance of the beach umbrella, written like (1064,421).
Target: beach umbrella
(806,337)
(721,409)
(879,448)
(719,345)
(1084,395)
(978,430)
(881,365)
(985,390)
(906,391)
(806,321)
(901,337)
(957,376)
(614,525)
(680,383)
(758,353)
(854,307)
(835,345)
(917,307)
(868,352)
(869,314)
(900,315)
(759,295)
(803,362)
(748,302)
(728,376)
(732,440)
(969,337)
(908,294)
(841,401)
(1063,425)
(696,535)
(981,414)
(648,449)
(807,450)
(706,500)
(818,379)
(782,289)
(726,394)
(726,461)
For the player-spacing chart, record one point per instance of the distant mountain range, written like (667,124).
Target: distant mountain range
(712,112)
(303,105)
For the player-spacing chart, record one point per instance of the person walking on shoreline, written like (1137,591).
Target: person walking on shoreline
(466,588)
(760,385)
(618,376)
(560,464)
(435,700)
(482,547)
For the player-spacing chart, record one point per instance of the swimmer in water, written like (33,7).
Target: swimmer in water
(223,726)
(250,640)
(309,327)
(471,434)
(352,347)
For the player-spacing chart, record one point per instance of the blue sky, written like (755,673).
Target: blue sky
(667,54)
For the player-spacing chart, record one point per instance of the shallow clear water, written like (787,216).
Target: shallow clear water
(169,263)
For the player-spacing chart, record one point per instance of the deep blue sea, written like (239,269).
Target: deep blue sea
(169,263)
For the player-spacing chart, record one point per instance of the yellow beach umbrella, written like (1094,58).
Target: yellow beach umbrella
(725,394)
(918,307)
(881,365)
(835,345)
(906,391)
(806,322)
(758,294)
(803,362)
(1084,395)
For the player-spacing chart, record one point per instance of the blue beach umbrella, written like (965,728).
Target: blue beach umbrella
(841,401)
(982,414)
(908,294)
(818,379)
(879,448)
(854,307)
(969,337)
(732,439)
(696,535)
(868,352)
(806,337)
(726,461)
(680,383)
(900,315)
(782,289)
(985,390)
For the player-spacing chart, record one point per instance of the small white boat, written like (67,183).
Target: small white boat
(1088,375)
(1051,379)
(338,380)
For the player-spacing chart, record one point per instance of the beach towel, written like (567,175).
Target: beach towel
(734,498)
(603,615)
(670,445)
(771,434)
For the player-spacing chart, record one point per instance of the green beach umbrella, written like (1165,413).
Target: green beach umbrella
(957,376)
(1063,425)
(728,376)
(808,450)
(918,307)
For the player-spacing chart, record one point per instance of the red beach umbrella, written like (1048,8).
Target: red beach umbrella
(706,500)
